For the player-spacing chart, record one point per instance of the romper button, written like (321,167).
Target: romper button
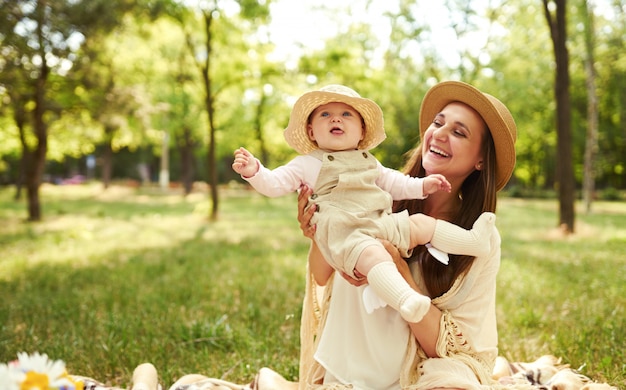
(314,196)
(364,154)
(331,158)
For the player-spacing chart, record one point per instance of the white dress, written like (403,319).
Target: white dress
(355,346)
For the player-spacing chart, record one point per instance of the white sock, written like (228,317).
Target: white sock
(393,289)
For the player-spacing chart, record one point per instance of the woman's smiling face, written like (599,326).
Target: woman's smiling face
(453,143)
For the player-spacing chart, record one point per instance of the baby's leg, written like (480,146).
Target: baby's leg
(451,238)
(383,276)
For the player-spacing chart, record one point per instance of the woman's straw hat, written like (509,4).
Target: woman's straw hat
(296,132)
(495,114)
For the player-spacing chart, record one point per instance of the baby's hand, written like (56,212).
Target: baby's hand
(436,182)
(245,164)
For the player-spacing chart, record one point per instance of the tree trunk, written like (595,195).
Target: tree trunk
(591,141)
(37,159)
(211,161)
(565,169)
(35,164)
(258,127)
(186,148)
(20,121)
(107,157)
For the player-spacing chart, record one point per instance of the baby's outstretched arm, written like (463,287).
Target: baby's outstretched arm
(245,164)
(436,182)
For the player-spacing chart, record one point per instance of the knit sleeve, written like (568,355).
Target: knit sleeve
(452,343)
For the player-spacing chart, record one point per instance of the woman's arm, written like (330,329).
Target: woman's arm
(426,332)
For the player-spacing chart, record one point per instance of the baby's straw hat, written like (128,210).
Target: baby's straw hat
(495,114)
(296,132)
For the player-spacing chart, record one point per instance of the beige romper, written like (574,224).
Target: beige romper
(352,211)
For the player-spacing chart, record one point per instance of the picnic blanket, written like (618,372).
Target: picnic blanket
(545,373)
(38,372)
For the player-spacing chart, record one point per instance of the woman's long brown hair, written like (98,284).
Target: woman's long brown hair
(478,195)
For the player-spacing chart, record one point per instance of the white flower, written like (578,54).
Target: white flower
(40,363)
(9,378)
(39,372)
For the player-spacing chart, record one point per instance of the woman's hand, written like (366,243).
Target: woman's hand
(304,214)
(360,281)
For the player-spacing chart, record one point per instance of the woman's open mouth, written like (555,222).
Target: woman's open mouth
(438,151)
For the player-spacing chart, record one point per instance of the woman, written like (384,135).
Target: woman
(468,137)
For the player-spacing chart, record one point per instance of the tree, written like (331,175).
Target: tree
(555,13)
(173,85)
(611,161)
(111,86)
(591,144)
(204,51)
(18,97)
(40,38)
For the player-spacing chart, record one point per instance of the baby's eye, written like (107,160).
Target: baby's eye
(347,113)
(324,113)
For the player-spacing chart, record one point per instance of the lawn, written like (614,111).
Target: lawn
(114,278)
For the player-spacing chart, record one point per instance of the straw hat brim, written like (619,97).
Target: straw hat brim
(495,114)
(296,132)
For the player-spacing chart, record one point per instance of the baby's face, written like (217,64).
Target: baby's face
(335,127)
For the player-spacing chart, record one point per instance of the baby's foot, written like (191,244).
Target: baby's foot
(453,239)
(481,231)
(414,307)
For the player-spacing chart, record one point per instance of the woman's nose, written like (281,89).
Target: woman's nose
(440,132)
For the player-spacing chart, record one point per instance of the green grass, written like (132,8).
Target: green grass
(564,295)
(112,279)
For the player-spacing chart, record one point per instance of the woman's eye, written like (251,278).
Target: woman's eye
(459,133)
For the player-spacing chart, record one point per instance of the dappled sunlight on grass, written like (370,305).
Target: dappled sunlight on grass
(85,223)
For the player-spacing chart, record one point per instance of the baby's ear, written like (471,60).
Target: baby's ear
(309,131)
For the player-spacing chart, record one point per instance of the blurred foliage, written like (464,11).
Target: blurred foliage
(136,85)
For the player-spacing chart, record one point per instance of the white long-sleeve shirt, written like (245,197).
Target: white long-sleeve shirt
(304,169)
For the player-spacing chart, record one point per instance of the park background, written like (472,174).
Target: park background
(126,236)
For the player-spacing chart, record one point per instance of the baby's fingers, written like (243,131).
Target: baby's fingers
(445,185)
